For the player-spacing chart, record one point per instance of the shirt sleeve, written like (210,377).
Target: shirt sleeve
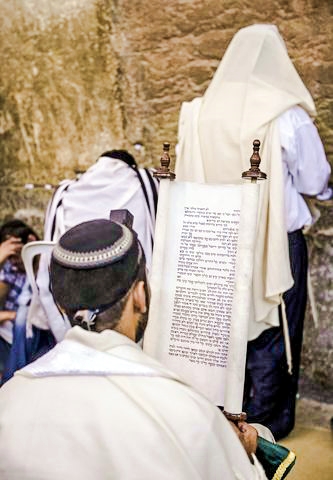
(4,273)
(307,163)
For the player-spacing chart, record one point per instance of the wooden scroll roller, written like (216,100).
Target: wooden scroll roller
(163,171)
(239,344)
(235,417)
(255,173)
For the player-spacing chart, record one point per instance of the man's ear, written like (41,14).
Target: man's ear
(139,297)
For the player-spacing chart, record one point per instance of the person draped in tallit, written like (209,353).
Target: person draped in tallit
(96,406)
(113,182)
(256,92)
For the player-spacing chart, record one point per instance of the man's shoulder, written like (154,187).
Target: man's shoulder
(293,118)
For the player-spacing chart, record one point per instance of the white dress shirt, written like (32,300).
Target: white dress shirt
(305,167)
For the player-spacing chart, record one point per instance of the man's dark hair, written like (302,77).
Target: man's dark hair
(16,228)
(110,318)
(123,155)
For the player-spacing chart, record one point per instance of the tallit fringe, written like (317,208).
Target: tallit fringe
(312,300)
(315,213)
(286,336)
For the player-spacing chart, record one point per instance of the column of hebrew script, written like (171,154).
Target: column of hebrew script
(204,286)
(192,282)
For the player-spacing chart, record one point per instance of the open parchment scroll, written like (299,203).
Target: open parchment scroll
(201,285)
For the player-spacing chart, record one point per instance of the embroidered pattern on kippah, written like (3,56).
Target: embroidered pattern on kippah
(95,258)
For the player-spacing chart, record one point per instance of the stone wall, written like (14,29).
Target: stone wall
(83,76)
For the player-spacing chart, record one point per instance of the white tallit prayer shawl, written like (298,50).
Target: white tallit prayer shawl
(254,84)
(189,165)
(97,407)
(109,184)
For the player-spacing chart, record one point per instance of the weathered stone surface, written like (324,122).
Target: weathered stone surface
(83,76)
(58,90)
(317,356)
(26,204)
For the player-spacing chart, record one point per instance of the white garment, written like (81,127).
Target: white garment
(107,185)
(305,167)
(133,425)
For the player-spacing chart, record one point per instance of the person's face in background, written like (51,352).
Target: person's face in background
(16,259)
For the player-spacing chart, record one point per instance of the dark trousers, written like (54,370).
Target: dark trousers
(270,391)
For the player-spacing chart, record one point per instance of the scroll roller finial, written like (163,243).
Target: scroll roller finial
(164,171)
(255,173)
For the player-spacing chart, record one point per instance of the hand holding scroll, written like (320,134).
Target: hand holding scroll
(247,435)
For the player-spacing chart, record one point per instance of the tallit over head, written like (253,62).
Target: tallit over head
(94,264)
(253,85)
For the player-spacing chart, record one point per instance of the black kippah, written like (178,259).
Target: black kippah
(94,265)
(123,155)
